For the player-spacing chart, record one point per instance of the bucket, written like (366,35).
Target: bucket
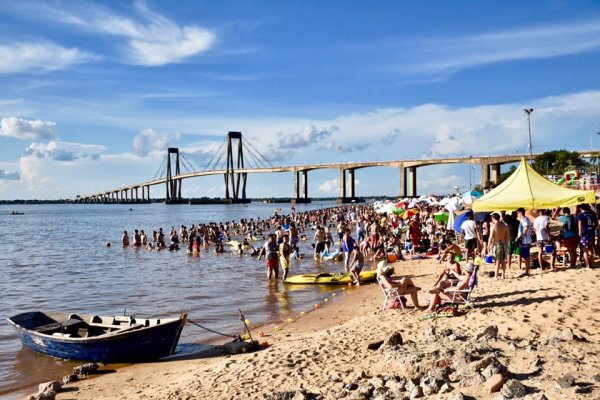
(391,258)
(489,259)
(549,249)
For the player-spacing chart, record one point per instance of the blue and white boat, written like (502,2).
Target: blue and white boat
(98,338)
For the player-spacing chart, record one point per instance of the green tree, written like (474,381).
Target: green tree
(556,162)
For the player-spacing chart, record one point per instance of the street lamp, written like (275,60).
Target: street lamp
(528,111)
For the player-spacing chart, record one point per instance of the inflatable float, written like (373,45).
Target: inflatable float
(331,278)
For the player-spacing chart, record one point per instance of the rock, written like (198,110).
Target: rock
(596,377)
(429,385)
(490,332)
(492,369)
(334,378)
(565,381)
(377,382)
(52,386)
(457,396)
(351,386)
(395,387)
(558,335)
(446,388)
(410,385)
(394,340)
(478,365)
(582,389)
(416,393)
(375,345)
(69,378)
(494,383)
(49,395)
(513,389)
(429,331)
(86,369)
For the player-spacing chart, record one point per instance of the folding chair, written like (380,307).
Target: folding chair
(463,296)
(390,292)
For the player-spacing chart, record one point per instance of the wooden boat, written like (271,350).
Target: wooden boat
(98,338)
(334,278)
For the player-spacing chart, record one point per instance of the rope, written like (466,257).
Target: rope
(211,330)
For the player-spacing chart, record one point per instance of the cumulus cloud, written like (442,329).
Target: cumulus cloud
(11,176)
(65,151)
(307,136)
(150,38)
(150,140)
(27,129)
(38,56)
(330,186)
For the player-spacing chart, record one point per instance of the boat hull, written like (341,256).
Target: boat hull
(131,346)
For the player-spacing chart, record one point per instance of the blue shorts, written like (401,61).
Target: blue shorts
(524,249)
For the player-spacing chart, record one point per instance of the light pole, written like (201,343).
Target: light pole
(528,111)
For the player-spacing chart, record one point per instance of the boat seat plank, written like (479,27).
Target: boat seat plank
(57,325)
(111,326)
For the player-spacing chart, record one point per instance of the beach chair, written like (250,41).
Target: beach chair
(391,293)
(463,296)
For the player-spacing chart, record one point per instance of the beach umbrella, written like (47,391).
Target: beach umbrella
(472,193)
(409,213)
(479,216)
(441,217)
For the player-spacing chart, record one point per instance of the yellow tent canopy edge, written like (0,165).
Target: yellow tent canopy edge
(530,190)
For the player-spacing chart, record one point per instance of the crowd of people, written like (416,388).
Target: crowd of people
(360,236)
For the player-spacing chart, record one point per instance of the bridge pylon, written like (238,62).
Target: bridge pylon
(233,179)
(173,185)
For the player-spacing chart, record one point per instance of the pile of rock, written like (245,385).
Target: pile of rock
(48,390)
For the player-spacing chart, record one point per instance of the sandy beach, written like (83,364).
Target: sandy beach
(547,327)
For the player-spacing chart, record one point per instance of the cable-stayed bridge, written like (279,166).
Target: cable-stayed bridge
(235,159)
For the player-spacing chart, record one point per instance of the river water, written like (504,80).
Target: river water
(54,257)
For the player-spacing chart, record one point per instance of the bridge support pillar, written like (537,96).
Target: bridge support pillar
(485,174)
(342,185)
(301,198)
(403,182)
(495,173)
(412,181)
(352,184)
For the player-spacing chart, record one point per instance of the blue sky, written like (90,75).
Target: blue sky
(94,92)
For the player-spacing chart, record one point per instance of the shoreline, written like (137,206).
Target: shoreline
(332,342)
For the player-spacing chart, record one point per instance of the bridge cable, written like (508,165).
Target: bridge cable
(256,157)
(253,157)
(215,154)
(188,164)
(160,168)
(258,152)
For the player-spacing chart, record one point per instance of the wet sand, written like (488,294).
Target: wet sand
(333,341)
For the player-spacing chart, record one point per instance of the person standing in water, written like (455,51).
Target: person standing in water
(284,255)
(269,250)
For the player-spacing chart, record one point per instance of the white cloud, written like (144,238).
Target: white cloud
(27,129)
(151,39)
(307,136)
(443,55)
(150,140)
(38,56)
(6,175)
(330,186)
(65,151)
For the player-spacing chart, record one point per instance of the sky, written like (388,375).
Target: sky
(93,93)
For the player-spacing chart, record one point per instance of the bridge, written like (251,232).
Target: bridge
(235,173)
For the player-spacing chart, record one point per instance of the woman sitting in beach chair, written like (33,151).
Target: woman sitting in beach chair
(394,289)
(450,282)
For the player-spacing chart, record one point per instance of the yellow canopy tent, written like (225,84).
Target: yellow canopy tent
(528,189)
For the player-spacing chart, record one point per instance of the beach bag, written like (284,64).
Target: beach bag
(396,303)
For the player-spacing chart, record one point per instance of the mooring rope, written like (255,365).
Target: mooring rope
(212,330)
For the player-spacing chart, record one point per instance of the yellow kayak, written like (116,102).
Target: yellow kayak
(333,278)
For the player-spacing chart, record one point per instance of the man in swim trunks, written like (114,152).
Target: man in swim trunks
(587,224)
(498,243)
(541,227)
(471,235)
(269,250)
(358,262)
(320,239)
(284,255)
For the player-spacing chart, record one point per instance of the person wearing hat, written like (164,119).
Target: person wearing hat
(404,284)
(444,285)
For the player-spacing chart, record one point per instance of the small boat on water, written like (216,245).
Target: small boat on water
(16,213)
(334,278)
(98,338)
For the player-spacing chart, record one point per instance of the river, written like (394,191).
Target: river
(54,257)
